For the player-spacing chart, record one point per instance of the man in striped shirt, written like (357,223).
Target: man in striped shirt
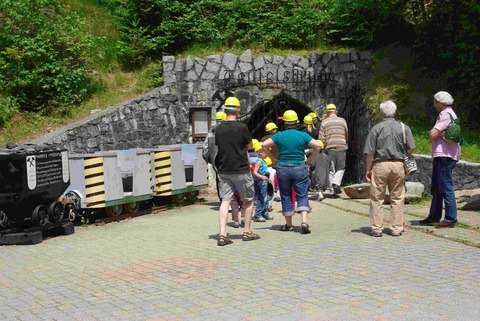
(334,133)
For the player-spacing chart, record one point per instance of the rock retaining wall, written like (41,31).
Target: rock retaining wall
(466,175)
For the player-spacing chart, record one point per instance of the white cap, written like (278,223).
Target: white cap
(444,98)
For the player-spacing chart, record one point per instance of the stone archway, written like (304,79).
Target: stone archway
(270,111)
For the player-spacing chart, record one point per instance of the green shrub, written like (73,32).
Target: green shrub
(367,23)
(151,76)
(42,57)
(448,42)
(152,28)
(8,106)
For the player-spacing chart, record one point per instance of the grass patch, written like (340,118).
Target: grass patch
(470,149)
(257,50)
(395,78)
(118,87)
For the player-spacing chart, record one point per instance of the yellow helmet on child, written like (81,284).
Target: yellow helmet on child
(308,120)
(322,145)
(270,126)
(313,115)
(256,145)
(220,116)
(268,161)
(290,116)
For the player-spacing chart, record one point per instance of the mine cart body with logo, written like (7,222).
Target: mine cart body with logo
(31,181)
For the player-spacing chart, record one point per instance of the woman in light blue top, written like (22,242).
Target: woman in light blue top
(292,168)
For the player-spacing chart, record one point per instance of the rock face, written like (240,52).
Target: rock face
(466,175)
(414,191)
(472,204)
(166,114)
(357,191)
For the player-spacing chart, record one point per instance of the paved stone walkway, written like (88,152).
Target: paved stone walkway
(167,266)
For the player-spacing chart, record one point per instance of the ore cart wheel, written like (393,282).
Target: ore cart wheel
(55,211)
(3,219)
(69,211)
(40,215)
(132,207)
(192,196)
(178,198)
(114,211)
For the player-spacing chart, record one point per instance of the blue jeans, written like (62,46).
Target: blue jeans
(442,190)
(261,209)
(295,176)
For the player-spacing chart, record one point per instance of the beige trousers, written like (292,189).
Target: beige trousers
(387,174)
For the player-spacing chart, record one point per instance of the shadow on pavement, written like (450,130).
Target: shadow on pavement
(236,236)
(415,223)
(364,230)
(296,229)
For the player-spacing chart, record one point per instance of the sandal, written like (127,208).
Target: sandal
(250,236)
(306,228)
(286,228)
(223,240)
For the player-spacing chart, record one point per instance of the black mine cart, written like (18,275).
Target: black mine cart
(31,181)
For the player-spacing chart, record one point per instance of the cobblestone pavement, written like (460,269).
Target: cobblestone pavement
(167,266)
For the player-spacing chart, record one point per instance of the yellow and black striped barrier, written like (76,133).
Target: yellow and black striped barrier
(163,173)
(94,182)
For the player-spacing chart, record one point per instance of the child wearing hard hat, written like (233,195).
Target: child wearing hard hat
(261,178)
(271,185)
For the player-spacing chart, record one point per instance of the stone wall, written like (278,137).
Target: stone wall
(163,116)
(315,80)
(466,175)
(156,118)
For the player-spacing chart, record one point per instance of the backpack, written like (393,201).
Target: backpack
(209,149)
(453,133)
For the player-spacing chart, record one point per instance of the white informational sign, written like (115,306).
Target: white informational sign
(31,172)
(46,169)
(201,122)
(65,172)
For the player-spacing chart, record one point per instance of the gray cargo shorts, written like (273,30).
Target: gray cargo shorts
(243,182)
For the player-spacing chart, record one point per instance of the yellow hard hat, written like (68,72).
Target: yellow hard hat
(321,143)
(331,107)
(308,120)
(270,126)
(220,116)
(256,144)
(232,102)
(290,116)
(268,161)
(312,114)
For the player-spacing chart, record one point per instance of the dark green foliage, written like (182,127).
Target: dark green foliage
(155,27)
(448,43)
(42,57)
(150,28)
(45,48)
(367,23)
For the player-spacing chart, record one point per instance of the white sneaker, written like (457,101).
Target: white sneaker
(320,196)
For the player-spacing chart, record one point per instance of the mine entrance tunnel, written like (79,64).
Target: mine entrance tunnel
(270,111)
